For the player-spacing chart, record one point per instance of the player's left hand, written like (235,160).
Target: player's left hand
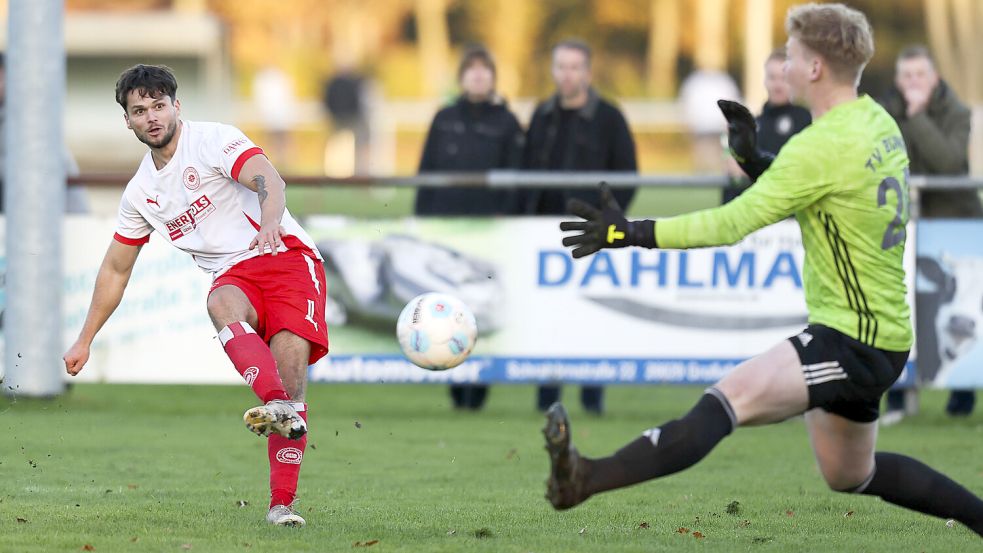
(603,228)
(269,237)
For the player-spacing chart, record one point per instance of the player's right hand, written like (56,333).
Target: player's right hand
(741,130)
(75,358)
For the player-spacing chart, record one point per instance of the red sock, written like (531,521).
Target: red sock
(285,458)
(253,359)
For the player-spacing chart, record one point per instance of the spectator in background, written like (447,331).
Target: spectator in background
(779,119)
(476,133)
(346,99)
(275,103)
(700,89)
(935,127)
(76,200)
(575,130)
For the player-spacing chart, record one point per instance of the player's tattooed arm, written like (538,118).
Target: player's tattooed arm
(258,175)
(260,182)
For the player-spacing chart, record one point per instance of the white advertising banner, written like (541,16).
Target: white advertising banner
(619,316)
(160,333)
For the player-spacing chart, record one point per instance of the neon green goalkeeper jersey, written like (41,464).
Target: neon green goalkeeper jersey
(845,179)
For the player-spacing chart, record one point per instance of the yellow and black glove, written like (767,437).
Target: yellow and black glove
(605,227)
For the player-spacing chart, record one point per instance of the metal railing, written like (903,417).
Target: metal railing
(515,179)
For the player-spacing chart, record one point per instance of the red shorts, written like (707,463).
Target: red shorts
(288,292)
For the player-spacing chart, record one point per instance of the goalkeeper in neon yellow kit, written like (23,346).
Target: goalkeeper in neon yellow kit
(845,180)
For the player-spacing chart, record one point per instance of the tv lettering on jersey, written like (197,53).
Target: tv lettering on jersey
(187,221)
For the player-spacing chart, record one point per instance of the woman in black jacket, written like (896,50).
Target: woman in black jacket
(476,133)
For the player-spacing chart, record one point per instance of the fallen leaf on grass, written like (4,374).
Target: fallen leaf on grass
(482,533)
(682,530)
(848,514)
(358,424)
(512,453)
(88,547)
(761,539)
(950,523)
(451,532)
(132,486)
(369,543)
(242,503)
(790,513)
(314,447)
(734,508)
(135,539)
(582,531)
(644,525)
(185,546)
(19,519)
(744,523)
(698,535)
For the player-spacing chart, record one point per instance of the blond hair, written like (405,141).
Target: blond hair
(841,35)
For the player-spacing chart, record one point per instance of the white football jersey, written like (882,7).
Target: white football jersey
(197,204)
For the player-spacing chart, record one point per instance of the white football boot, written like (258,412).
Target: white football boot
(276,417)
(285,515)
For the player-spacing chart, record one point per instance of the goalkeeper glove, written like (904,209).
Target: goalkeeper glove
(742,139)
(605,227)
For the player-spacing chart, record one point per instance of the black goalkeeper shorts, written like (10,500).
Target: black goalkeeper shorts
(845,376)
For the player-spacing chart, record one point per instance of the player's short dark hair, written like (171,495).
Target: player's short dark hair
(575,44)
(476,53)
(916,51)
(155,81)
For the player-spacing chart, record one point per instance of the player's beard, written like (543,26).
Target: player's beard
(164,140)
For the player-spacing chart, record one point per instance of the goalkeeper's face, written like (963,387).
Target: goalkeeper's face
(152,120)
(802,69)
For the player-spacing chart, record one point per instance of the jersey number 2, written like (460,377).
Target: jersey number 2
(895,233)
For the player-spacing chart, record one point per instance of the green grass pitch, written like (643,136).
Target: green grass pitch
(172,468)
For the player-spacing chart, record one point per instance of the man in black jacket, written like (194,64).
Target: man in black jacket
(476,133)
(935,127)
(575,130)
(780,118)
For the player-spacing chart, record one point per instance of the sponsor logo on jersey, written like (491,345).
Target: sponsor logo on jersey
(290,455)
(250,375)
(188,221)
(154,201)
(233,146)
(191,179)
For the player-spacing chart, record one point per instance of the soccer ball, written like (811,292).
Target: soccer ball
(436,331)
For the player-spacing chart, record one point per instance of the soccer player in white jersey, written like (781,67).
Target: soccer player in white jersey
(208,190)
